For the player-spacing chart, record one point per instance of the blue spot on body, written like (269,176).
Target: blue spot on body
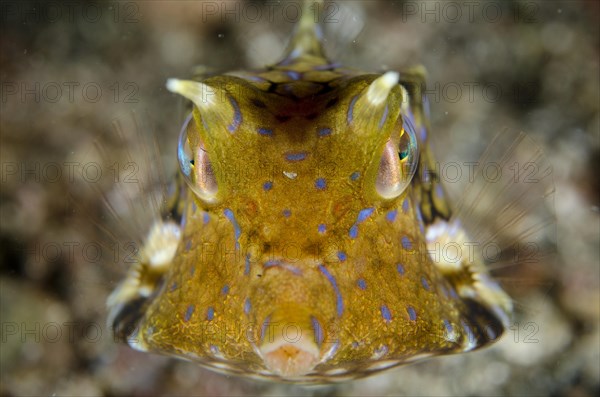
(293,75)
(254,78)
(188,245)
(350,115)
(400,269)
(268,185)
(271,263)
(391,215)
(439,191)
(427,174)
(317,330)
(265,132)
(423,133)
(322,228)
(263,329)
(287,213)
(247,268)
(448,326)
(426,106)
(319,33)
(327,66)
(324,132)
(408,123)
(364,214)
(299,156)
(406,243)
(188,313)
(385,313)
(338,295)
(320,183)
(237,116)
(194,208)
(341,256)
(425,283)
(275,263)
(225,290)
(295,270)
(210,313)
(236,227)
(205,218)
(173,287)
(405,206)
(355,175)
(353,232)
(412,315)
(453,293)
(361,284)
(247,306)
(383,116)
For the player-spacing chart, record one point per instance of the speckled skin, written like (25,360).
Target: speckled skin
(297,237)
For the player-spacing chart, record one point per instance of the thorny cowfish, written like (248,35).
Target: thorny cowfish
(298,245)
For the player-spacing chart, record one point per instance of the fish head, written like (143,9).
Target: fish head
(302,252)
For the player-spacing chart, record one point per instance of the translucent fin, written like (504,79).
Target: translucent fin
(342,24)
(139,194)
(139,213)
(507,210)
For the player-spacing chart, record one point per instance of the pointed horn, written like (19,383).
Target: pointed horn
(202,95)
(380,88)
(308,34)
(371,109)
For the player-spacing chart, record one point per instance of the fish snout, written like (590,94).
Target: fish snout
(290,344)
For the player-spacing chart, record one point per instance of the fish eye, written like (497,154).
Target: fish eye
(195,165)
(398,163)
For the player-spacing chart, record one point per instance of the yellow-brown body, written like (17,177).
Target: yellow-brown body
(300,255)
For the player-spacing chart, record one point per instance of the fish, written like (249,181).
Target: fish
(305,236)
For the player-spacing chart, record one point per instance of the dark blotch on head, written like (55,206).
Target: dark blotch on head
(331,102)
(282,118)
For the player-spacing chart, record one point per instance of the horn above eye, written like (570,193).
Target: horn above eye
(195,165)
(398,163)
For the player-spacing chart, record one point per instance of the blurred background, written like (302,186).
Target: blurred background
(69,70)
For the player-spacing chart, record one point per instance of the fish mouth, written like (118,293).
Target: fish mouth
(290,358)
(290,341)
